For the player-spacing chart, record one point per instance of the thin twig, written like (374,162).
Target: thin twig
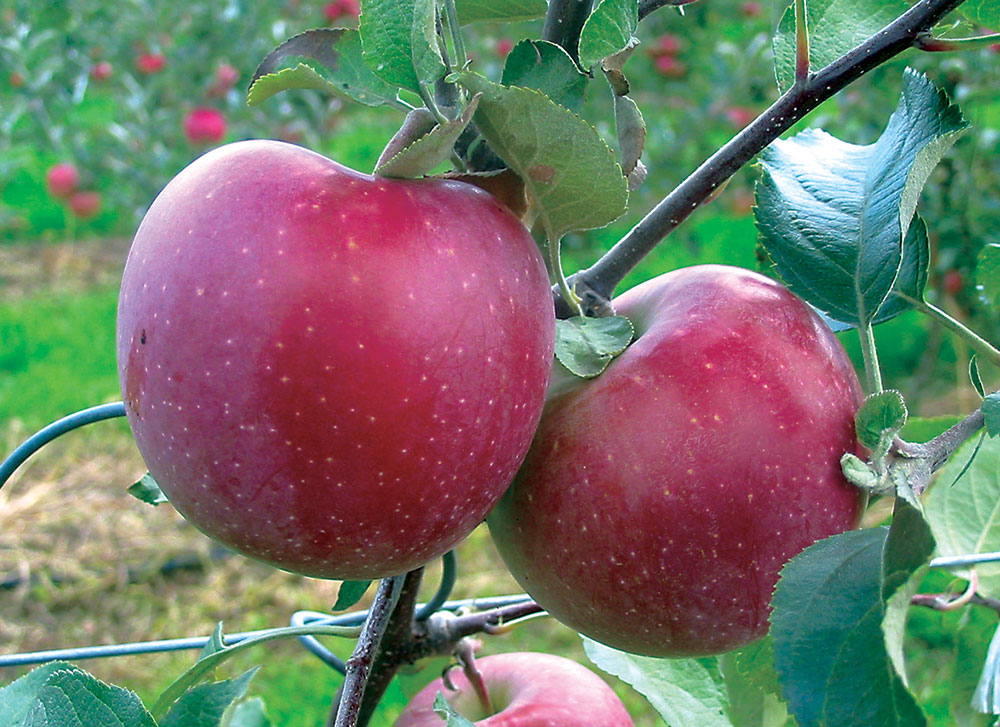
(599,281)
(563,22)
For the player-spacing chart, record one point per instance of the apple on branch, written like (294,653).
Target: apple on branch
(660,500)
(335,373)
(525,689)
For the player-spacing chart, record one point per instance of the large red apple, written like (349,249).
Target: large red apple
(335,373)
(526,689)
(659,501)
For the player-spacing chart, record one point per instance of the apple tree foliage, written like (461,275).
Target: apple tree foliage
(838,224)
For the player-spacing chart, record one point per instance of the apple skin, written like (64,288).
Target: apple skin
(61,180)
(204,125)
(660,500)
(527,689)
(334,373)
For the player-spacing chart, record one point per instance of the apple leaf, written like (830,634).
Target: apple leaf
(205,704)
(835,26)
(504,11)
(430,150)
(327,59)
(879,420)
(608,30)
(749,704)
(70,697)
(570,173)
(756,664)
(585,346)
(683,691)
(216,642)
(974,378)
(350,592)
(548,68)
(829,649)
(988,273)
(983,12)
(833,216)
(147,490)
(987,695)
(248,713)
(448,713)
(909,546)
(991,414)
(18,697)
(631,130)
(399,42)
(971,646)
(963,516)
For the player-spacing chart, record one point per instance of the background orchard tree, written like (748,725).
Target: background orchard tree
(555,129)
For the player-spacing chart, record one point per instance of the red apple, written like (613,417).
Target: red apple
(666,45)
(740,116)
(659,501)
(335,373)
(504,46)
(85,204)
(670,67)
(751,9)
(150,63)
(61,180)
(953,282)
(526,690)
(334,11)
(226,75)
(15,79)
(204,125)
(101,71)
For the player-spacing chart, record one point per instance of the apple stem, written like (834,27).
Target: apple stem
(870,354)
(801,42)
(360,664)
(555,264)
(465,651)
(599,280)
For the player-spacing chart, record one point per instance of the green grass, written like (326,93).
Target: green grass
(57,355)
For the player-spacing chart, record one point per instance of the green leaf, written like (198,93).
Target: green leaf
(988,273)
(971,640)
(833,216)
(430,150)
(908,548)
(828,644)
(684,691)
(974,378)
(608,30)
(991,414)
(585,346)
(569,173)
(756,664)
(350,592)
(205,704)
(17,698)
(216,642)
(879,420)
(248,713)
(749,705)
(631,130)
(987,696)
(70,697)
(546,67)
(964,517)
(911,281)
(147,490)
(327,59)
(448,713)
(983,12)
(399,42)
(504,11)
(835,27)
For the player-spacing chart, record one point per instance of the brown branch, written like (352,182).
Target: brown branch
(563,22)
(597,283)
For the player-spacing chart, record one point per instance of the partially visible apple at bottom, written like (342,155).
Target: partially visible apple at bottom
(527,689)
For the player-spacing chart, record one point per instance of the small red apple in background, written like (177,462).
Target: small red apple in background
(15,79)
(61,180)
(226,75)
(740,116)
(751,9)
(670,67)
(335,373)
(101,71)
(666,45)
(85,204)
(334,11)
(504,46)
(150,63)
(953,282)
(659,501)
(204,125)
(526,689)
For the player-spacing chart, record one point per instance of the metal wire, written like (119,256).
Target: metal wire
(311,618)
(56,429)
(953,561)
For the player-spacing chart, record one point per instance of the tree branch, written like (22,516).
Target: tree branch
(648,6)
(563,22)
(597,283)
